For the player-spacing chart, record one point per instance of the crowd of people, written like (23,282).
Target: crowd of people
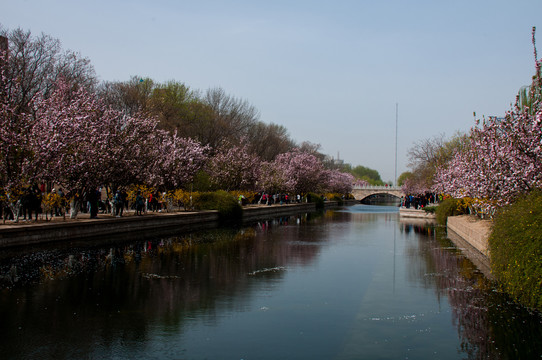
(35,201)
(268,199)
(419,201)
(53,203)
(264,198)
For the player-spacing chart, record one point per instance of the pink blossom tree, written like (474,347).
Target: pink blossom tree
(304,172)
(70,140)
(338,182)
(130,142)
(273,178)
(234,167)
(176,160)
(503,158)
(413,186)
(16,167)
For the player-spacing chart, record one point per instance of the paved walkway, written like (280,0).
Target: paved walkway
(81,217)
(85,217)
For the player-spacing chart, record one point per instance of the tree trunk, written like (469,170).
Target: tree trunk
(74,208)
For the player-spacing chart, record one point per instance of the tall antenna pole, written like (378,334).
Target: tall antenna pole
(396,126)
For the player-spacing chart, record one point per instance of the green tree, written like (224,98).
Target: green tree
(269,140)
(404,176)
(130,97)
(367,174)
(232,116)
(169,102)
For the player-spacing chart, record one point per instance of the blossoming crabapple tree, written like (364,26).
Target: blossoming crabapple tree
(176,160)
(234,167)
(272,178)
(15,153)
(503,158)
(81,143)
(128,148)
(414,186)
(303,171)
(338,182)
(71,140)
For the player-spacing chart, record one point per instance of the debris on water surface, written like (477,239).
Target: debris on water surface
(156,276)
(267,270)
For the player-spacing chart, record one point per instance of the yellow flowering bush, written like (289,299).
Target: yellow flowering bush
(183,198)
(50,201)
(145,191)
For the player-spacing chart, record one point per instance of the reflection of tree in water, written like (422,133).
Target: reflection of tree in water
(489,325)
(117,292)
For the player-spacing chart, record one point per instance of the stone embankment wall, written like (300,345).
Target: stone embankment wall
(414,213)
(467,232)
(128,227)
(136,227)
(471,235)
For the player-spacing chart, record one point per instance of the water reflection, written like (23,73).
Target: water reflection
(61,296)
(490,326)
(352,283)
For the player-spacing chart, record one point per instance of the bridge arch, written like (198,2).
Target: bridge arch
(362,192)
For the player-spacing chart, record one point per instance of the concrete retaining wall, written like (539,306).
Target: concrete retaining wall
(129,227)
(414,213)
(136,227)
(474,231)
(471,235)
(262,212)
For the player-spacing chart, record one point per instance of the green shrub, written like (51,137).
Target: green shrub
(446,208)
(228,208)
(430,209)
(315,198)
(338,199)
(202,182)
(516,250)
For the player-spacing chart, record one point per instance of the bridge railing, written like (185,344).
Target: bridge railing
(375,187)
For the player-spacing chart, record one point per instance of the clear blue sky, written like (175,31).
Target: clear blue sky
(331,72)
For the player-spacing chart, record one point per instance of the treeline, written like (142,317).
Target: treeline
(210,118)
(60,125)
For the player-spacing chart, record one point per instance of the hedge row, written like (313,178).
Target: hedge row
(516,250)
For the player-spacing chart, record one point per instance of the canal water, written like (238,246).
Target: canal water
(354,283)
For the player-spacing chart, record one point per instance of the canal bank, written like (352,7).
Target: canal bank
(471,234)
(467,232)
(415,214)
(133,227)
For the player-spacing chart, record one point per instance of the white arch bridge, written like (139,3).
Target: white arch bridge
(361,192)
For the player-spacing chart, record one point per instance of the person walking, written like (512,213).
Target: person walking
(118,201)
(140,203)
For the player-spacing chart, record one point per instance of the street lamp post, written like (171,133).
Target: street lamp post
(396,125)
